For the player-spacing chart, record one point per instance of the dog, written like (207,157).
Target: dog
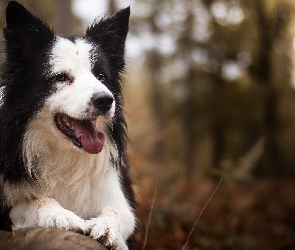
(62,129)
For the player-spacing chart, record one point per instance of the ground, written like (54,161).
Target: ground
(258,214)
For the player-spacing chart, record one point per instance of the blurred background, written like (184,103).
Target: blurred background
(209,96)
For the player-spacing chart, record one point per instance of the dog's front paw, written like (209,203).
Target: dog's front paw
(63,219)
(105,230)
(46,212)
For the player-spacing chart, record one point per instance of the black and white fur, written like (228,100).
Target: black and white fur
(53,86)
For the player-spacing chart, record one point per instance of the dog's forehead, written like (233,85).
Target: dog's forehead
(67,55)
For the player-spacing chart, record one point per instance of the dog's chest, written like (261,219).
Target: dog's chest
(75,182)
(82,197)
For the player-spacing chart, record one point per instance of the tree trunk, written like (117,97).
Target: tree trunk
(271,161)
(189,118)
(112,7)
(64,17)
(157,96)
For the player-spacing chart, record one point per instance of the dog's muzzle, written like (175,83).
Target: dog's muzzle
(83,132)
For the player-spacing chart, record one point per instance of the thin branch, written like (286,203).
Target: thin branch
(150,216)
(196,222)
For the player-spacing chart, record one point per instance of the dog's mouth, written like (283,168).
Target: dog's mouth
(83,133)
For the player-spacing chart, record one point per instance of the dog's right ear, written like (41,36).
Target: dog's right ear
(26,35)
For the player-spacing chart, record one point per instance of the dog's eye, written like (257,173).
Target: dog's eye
(62,77)
(101,77)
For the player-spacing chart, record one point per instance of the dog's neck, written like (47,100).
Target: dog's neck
(72,171)
(50,163)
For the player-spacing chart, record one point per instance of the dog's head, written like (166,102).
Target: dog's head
(66,86)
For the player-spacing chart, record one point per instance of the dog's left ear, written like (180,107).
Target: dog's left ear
(26,35)
(111,33)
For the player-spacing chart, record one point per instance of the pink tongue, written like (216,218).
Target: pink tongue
(92,139)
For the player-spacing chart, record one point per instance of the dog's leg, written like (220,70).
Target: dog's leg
(116,221)
(107,229)
(45,212)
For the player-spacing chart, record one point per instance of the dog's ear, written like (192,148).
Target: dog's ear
(110,34)
(25,34)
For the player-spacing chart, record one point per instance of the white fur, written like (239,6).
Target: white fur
(76,190)
(45,212)
(105,227)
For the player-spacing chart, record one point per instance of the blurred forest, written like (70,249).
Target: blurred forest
(209,94)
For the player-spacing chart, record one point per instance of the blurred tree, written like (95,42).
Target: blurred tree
(3,5)
(154,63)
(186,46)
(64,16)
(112,7)
(271,25)
(213,75)
(153,56)
(260,71)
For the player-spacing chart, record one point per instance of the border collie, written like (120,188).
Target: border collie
(62,129)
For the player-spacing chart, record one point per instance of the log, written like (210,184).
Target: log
(37,238)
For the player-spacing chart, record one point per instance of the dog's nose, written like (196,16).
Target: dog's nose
(102,101)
